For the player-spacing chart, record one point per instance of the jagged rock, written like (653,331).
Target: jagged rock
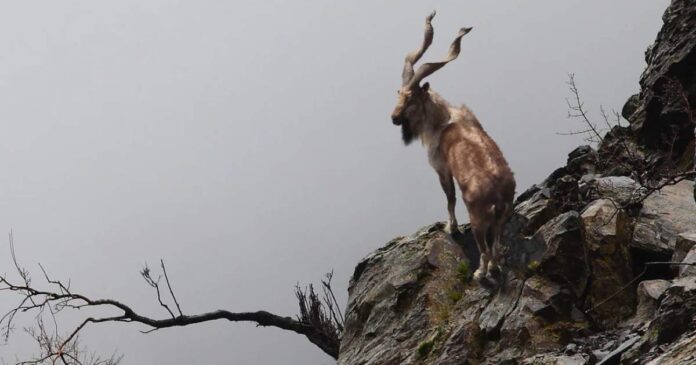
(685,241)
(500,306)
(649,293)
(690,258)
(564,258)
(621,189)
(570,349)
(607,234)
(541,319)
(410,303)
(675,318)
(681,353)
(586,183)
(614,356)
(566,193)
(665,214)
(620,154)
(630,106)
(675,314)
(404,296)
(582,160)
(670,59)
(552,359)
(536,210)
(465,343)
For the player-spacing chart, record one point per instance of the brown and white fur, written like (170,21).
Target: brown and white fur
(459,150)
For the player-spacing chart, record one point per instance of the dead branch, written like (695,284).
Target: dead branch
(318,320)
(324,315)
(577,110)
(634,280)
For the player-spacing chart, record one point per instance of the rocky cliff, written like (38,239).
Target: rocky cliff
(586,280)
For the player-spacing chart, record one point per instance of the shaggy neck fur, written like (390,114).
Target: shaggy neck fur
(437,114)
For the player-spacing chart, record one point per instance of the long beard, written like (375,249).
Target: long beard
(406,133)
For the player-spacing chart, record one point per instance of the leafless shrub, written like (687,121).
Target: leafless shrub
(576,110)
(649,178)
(323,314)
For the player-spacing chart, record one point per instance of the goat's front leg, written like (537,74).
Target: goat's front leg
(448,187)
(480,238)
(494,264)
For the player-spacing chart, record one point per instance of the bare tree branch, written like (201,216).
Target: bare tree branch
(577,110)
(319,322)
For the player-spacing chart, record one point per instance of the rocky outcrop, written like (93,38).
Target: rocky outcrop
(659,109)
(403,298)
(584,279)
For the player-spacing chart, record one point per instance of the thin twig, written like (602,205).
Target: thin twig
(630,283)
(166,278)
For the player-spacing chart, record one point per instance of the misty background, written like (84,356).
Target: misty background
(249,143)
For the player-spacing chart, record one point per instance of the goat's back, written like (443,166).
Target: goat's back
(478,166)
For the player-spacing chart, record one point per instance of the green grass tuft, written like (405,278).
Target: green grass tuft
(424,349)
(533,265)
(454,296)
(463,272)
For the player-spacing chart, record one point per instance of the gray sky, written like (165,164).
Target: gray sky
(249,144)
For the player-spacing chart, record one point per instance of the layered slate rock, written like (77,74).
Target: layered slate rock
(404,296)
(413,301)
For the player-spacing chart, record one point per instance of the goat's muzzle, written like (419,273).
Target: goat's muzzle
(398,119)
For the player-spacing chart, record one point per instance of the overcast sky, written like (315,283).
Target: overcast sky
(249,144)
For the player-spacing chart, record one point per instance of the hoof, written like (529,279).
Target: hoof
(486,282)
(452,229)
(495,270)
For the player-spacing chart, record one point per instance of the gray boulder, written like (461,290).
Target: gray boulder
(564,256)
(606,233)
(649,293)
(690,259)
(665,214)
(685,242)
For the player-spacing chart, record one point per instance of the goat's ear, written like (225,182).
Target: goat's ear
(425,87)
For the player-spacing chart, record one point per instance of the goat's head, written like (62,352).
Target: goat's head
(410,111)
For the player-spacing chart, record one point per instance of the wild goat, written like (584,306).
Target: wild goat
(458,148)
